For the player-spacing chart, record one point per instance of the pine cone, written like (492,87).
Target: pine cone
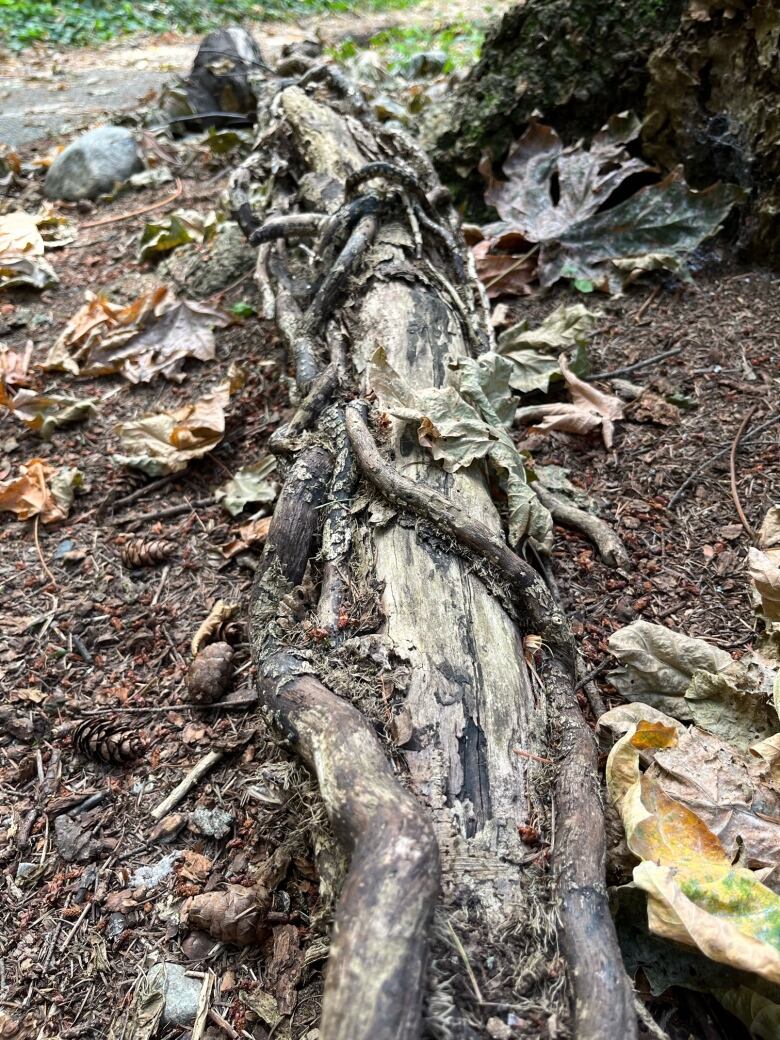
(210,672)
(104,741)
(139,553)
(237,915)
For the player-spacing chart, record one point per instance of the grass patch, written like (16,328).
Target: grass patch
(81,22)
(461,41)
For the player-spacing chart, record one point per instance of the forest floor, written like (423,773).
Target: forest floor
(82,633)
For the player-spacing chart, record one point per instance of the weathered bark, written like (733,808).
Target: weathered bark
(479,727)
(713,104)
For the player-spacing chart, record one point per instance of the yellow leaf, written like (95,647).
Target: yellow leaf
(695,895)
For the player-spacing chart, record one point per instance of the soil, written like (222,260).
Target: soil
(110,641)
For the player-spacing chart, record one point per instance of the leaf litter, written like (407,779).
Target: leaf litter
(153,335)
(556,210)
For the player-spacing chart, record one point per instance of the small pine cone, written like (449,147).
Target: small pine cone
(105,742)
(210,672)
(139,553)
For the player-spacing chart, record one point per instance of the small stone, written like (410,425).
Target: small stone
(202,272)
(25,870)
(498,1030)
(93,164)
(211,823)
(168,827)
(181,992)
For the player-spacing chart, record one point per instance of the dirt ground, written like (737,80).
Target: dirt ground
(45,93)
(82,634)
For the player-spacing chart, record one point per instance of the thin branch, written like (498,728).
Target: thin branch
(624,370)
(136,212)
(733,474)
(749,436)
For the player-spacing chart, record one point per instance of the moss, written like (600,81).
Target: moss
(577,61)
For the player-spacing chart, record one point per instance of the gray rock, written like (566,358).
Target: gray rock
(93,164)
(211,823)
(181,993)
(25,870)
(198,273)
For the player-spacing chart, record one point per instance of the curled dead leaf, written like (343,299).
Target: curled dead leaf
(220,613)
(590,409)
(166,442)
(40,490)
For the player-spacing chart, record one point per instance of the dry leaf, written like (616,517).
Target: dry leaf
(40,490)
(764,565)
(165,443)
(26,271)
(695,895)
(733,792)
(14,369)
(218,615)
(503,275)
(249,484)
(253,533)
(151,336)
(694,681)
(19,234)
(44,413)
(555,196)
(590,409)
(461,426)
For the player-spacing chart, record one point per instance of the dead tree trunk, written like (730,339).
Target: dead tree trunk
(472,771)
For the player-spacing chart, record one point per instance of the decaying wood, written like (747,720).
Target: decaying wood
(451,605)
(378,951)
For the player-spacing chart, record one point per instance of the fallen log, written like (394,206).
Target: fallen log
(449,795)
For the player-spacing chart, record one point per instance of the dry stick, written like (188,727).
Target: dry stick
(140,492)
(626,369)
(602,995)
(195,775)
(647,304)
(136,212)
(201,1014)
(733,474)
(610,547)
(46,570)
(219,1021)
(719,454)
(387,900)
(168,511)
